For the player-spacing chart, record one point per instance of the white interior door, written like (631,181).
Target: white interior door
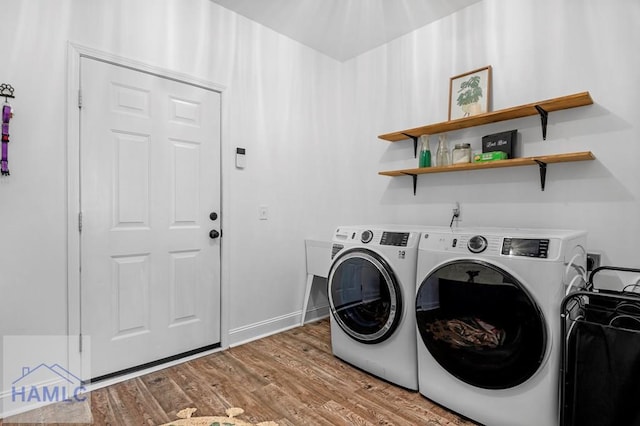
(150,180)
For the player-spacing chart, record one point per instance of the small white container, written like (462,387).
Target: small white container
(461,154)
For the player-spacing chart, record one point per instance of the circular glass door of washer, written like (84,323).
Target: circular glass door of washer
(364,296)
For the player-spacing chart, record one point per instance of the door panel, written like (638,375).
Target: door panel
(131,180)
(150,176)
(186,157)
(131,287)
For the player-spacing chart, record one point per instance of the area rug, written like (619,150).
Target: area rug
(186,419)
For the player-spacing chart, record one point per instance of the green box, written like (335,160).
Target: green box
(489,156)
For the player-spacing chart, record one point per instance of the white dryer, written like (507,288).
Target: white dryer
(488,320)
(371,288)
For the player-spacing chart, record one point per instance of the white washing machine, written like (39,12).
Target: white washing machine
(488,320)
(371,288)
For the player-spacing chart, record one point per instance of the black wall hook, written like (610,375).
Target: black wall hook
(6,91)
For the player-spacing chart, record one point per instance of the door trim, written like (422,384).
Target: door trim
(74,53)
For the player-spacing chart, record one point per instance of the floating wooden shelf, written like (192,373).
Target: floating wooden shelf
(541,108)
(525,161)
(541,161)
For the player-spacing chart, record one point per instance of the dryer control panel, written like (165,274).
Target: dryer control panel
(527,247)
(487,244)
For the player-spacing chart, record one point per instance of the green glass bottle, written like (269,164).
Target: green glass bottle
(425,153)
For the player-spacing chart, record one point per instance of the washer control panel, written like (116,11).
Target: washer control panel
(399,239)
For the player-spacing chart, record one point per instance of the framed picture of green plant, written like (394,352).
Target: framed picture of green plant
(470,93)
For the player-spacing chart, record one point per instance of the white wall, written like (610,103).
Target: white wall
(538,50)
(310,126)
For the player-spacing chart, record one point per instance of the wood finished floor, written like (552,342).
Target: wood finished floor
(291,378)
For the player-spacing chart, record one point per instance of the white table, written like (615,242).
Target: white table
(318,260)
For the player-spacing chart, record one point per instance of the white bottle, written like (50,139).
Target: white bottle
(442,155)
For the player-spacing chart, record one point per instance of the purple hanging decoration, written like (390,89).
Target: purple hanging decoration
(7,112)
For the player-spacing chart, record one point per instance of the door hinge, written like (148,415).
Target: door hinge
(80,222)
(80,98)
(80,342)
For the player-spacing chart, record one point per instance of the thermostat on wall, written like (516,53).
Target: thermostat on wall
(241,158)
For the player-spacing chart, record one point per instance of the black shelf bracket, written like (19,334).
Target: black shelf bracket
(415,144)
(543,173)
(544,117)
(415,181)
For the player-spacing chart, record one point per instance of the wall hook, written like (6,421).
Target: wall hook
(456,214)
(6,91)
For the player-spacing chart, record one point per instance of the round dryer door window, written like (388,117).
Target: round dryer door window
(364,296)
(480,324)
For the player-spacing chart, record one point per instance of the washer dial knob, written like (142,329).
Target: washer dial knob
(366,236)
(477,244)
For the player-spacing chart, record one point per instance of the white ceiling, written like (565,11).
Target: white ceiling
(344,29)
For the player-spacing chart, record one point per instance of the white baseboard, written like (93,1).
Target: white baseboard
(317,313)
(258,330)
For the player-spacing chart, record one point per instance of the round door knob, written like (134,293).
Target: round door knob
(213,234)
(213,216)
